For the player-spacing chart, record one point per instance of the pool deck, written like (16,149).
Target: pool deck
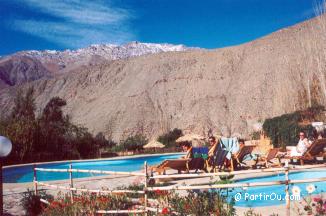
(13,191)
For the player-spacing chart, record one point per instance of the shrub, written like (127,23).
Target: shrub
(312,204)
(86,204)
(117,148)
(193,203)
(132,143)
(202,203)
(169,138)
(103,142)
(31,202)
(283,130)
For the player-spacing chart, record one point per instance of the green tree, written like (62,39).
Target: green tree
(85,143)
(21,127)
(24,105)
(52,136)
(103,142)
(53,126)
(53,111)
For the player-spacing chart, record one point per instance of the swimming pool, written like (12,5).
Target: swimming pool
(274,195)
(21,174)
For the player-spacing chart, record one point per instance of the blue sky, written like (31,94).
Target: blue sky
(55,24)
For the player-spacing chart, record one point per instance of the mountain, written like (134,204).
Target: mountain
(17,70)
(31,65)
(228,90)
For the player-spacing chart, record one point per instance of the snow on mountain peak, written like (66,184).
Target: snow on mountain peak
(64,61)
(107,51)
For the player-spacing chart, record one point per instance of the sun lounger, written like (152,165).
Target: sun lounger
(216,163)
(316,148)
(179,165)
(200,152)
(176,164)
(266,161)
(231,145)
(238,158)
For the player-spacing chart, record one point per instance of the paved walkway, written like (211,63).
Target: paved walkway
(13,192)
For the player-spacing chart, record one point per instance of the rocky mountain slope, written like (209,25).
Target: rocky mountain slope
(227,90)
(17,70)
(31,65)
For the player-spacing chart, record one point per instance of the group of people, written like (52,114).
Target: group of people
(292,151)
(212,148)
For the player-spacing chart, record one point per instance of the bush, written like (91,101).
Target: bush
(312,204)
(283,130)
(31,202)
(169,138)
(202,203)
(118,148)
(103,142)
(132,143)
(87,204)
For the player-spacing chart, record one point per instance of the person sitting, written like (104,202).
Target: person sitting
(300,148)
(192,163)
(241,145)
(211,152)
(187,147)
(212,146)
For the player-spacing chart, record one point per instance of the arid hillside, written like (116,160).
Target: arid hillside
(227,90)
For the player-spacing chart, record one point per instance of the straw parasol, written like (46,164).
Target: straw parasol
(154,144)
(189,137)
(198,142)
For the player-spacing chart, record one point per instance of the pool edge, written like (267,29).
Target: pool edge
(89,160)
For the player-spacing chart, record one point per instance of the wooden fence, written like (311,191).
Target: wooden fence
(145,209)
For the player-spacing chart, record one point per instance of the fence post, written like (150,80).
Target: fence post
(287,194)
(71,185)
(145,187)
(35,179)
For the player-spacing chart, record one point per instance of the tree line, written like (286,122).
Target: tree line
(52,136)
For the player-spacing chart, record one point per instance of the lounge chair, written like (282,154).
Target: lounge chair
(196,163)
(216,163)
(238,158)
(176,164)
(266,161)
(200,152)
(314,150)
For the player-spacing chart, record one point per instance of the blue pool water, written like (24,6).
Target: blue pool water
(25,173)
(276,192)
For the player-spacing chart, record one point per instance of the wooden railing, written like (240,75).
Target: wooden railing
(145,208)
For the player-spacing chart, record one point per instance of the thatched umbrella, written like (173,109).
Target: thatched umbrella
(189,137)
(198,142)
(154,144)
